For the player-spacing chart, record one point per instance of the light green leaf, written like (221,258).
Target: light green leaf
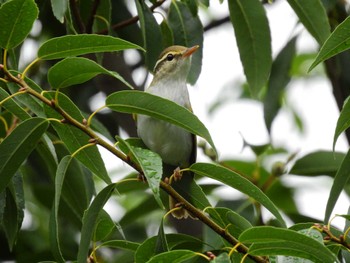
(16,147)
(145,103)
(76,70)
(151,165)
(175,256)
(16,20)
(278,241)
(74,138)
(279,79)
(54,234)
(238,182)
(151,34)
(337,42)
(76,45)
(253,40)
(188,31)
(318,163)
(313,16)
(90,220)
(340,180)
(12,106)
(59,8)
(343,122)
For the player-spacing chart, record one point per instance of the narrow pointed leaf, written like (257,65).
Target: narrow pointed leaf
(340,181)
(90,220)
(151,165)
(279,79)
(16,20)
(59,8)
(144,103)
(337,42)
(253,40)
(313,16)
(77,70)
(175,256)
(279,241)
(151,34)
(187,31)
(16,147)
(54,234)
(76,45)
(238,182)
(162,243)
(343,122)
(12,106)
(123,244)
(74,138)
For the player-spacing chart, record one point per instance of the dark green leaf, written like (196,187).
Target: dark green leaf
(13,210)
(175,256)
(313,16)
(90,220)
(278,241)
(123,244)
(318,163)
(75,45)
(151,165)
(253,39)
(167,34)
(73,70)
(145,103)
(103,16)
(59,8)
(162,243)
(151,33)
(188,31)
(340,180)
(16,20)
(337,42)
(343,122)
(279,78)
(238,182)
(104,226)
(12,106)
(74,138)
(16,147)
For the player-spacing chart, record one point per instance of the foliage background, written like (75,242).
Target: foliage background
(56,226)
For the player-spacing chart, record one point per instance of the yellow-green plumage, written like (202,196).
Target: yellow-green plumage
(176,146)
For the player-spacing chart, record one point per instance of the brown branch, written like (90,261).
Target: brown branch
(90,22)
(77,17)
(131,20)
(110,147)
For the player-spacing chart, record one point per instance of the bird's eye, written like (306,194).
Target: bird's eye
(170,57)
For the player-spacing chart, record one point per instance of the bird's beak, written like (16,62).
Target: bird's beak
(188,52)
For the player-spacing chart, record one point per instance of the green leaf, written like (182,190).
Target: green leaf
(151,165)
(318,163)
(145,103)
(278,241)
(151,34)
(340,180)
(90,220)
(103,16)
(279,78)
(13,211)
(54,234)
(12,106)
(188,31)
(16,20)
(104,226)
(76,70)
(123,244)
(16,147)
(75,45)
(74,138)
(313,16)
(162,243)
(238,182)
(343,122)
(167,34)
(253,40)
(59,9)
(337,42)
(175,256)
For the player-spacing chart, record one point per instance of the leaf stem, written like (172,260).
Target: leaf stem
(24,73)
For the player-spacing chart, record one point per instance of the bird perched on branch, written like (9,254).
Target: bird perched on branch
(176,146)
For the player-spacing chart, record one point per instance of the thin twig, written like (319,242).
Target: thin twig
(76,14)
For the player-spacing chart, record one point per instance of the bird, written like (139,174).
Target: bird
(176,146)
